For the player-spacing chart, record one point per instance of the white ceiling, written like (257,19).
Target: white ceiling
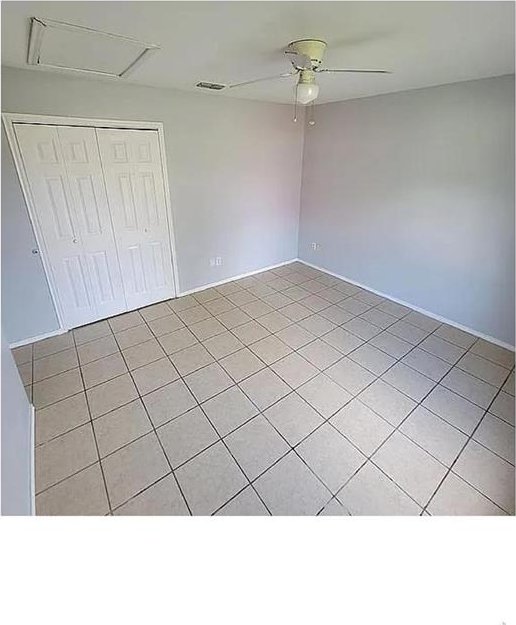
(423,43)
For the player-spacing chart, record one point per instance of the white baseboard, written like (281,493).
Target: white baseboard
(32,467)
(239,277)
(481,335)
(33,339)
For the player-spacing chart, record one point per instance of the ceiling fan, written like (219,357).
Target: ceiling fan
(307,56)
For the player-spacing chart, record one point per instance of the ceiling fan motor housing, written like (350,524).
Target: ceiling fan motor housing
(311,48)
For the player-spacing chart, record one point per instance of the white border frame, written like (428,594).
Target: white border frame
(9,119)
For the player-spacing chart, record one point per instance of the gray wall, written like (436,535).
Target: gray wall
(412,194)
(234,171)
(16,439)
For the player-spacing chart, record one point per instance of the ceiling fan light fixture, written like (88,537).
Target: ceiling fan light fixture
(306,93)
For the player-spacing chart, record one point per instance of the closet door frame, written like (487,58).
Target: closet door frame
(10,119)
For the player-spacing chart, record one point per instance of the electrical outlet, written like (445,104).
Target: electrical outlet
(212,262)
(218,261)
(315,247)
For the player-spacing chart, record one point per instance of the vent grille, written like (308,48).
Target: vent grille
(210,85)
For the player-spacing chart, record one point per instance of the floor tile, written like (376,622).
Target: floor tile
(111,395)
(168,402)
(275,321)
(207,382)
(322,300)
(134,467)
(155,311)
(233,318)
(508,387)
(414,470)
(373,359)
(363,427)
(496,435)
(250,332)
(296,293)
(99,348)
(294,418)
(229,410)
(342,340)
(219,305)
(496,354)
(294,370)
(64,456)
(222,345)
(23,354)
(290,488)
(154,375)
(295,311)
(388,402)
(246,503)
(264,388)
(434,435)
(276,300)
(53,344)
(503,407)
(320,354)
(488,473)
(241,364)
(241,297)
(454,409)
(422,321)
(80,495)
(270,349)
(256,309)
(56,388)
(336,315)
(484,369)
(193,315)
(333,508)
(354,306)
(455,336)
(120,427)
(132,336)
(350,375)
(208,295)
(191,359)
(102,370)
(408,332)
(324,395)
(177,341)
(394,309)
(165,325)
(182,303)
(317,325)
(61,417)
(429,365)
(207,328)
(332,458)
(390,344)
(256,446)
(362,328)
(210,479)
(442,349)
(408,381)
(56,363)
(91,332)
(457,497)
(161,499)
(295,336)
(25,372)
(371,493)
(378,318)
(143,354)
(125,321)
(473,389)
(186,436)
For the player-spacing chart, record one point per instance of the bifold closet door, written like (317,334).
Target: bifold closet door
(66,181)
(134,180)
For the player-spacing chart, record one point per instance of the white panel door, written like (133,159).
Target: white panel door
(66,182)
(134,179)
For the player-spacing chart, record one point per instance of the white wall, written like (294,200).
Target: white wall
(412,194)
(16,439)
(234,172)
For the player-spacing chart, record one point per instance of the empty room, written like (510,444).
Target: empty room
(258,259)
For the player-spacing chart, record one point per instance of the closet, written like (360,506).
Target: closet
(99,210)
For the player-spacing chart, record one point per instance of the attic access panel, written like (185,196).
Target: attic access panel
(65,46)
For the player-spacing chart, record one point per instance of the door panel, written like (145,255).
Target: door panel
(69,199)
(133,173)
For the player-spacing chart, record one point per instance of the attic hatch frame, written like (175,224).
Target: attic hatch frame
(39,27)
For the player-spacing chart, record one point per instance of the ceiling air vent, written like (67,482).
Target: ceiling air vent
(210,85)
(63,46)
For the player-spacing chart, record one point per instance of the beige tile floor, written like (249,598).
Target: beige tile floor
(287,393)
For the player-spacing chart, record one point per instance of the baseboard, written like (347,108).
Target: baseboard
(33,339)
(239,277)
(459,326)
(32,467)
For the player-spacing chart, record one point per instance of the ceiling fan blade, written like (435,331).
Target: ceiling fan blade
(250,82)
(355,71)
